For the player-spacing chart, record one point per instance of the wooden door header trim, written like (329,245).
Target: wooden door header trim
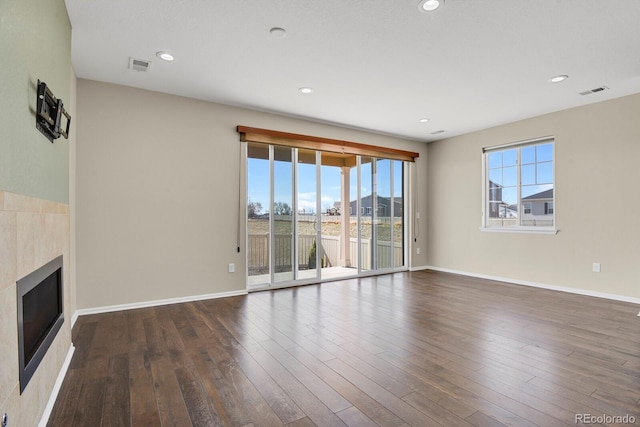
(266,136)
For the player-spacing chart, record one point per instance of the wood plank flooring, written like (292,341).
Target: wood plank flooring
(408,349)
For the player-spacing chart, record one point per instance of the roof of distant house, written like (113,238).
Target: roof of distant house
(547,194)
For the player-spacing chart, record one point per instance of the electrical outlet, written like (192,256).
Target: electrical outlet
(417,251)
(232,268)
(596,267)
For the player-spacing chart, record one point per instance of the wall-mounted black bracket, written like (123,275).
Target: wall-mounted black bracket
(49,113)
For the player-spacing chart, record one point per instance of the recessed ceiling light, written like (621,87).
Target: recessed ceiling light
(424,120)
(165,56)
(430,5)
(306,90)
(278,32)
(558,79)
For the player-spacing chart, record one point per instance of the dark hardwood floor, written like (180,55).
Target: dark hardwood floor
(417,349)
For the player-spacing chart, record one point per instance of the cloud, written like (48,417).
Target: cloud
(326,202)
(307,197)
(307,205)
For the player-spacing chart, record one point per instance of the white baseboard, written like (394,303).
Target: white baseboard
(145,304)
(56,388)
(419,267)
(615,297)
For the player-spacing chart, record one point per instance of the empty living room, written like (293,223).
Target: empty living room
(380,213)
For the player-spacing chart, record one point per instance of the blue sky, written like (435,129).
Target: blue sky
(258,183)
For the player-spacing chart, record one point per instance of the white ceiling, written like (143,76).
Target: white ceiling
(379,65)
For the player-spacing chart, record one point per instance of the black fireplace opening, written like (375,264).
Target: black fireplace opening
(40,316)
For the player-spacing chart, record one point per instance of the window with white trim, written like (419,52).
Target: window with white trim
(519,186)
(548,208)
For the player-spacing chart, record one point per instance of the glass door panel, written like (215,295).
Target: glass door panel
(397,174)
(354,247)
(383,215)
(282,216)
(331,220)
(335,242)
(366,184)
(308,215)
(258,200)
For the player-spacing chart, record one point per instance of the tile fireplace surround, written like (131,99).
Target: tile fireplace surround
(32,233)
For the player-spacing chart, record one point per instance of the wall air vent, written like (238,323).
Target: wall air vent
(596,90)
(139,64)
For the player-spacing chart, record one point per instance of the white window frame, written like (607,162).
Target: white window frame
(524,208)
(518,228)
(548,206)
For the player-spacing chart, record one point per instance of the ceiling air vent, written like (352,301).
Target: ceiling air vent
(437,132)
(596,90)
(139,64)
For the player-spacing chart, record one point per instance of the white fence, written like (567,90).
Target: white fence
(258,252)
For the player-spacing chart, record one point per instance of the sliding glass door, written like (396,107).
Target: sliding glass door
(282,217)
(258,222)
(366,213)
(389,236)
(315,216)
(397,213)
(308,215)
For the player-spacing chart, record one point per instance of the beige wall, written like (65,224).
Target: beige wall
(597,202)
(157,192)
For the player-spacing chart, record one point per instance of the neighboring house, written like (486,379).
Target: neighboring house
(509,211)
(539,204)
(538,209)
(498,208)
(383,206)
(535,206)
(335,210)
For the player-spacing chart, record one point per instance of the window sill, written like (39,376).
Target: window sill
(522,230)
